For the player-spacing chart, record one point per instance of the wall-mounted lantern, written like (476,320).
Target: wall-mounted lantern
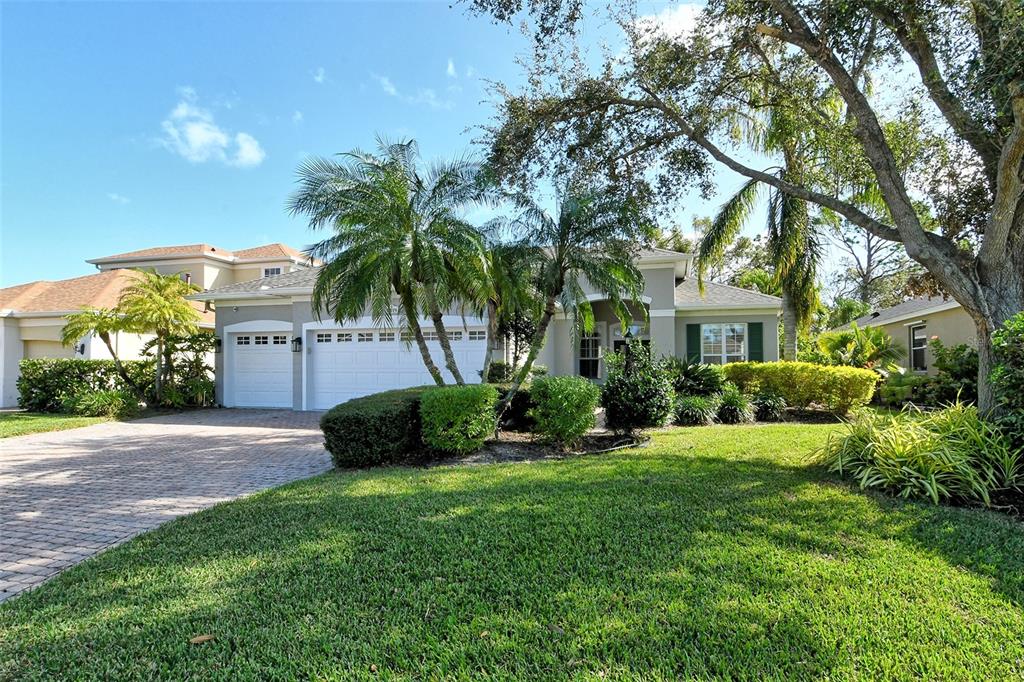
(218,344)
(296,344)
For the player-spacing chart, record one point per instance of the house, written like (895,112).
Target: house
(912,324)
(32,315)
(276,353)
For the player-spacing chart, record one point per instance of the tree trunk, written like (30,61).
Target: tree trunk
(414,325)
(1004,301)
(121,372)
(442,335)
(535,345)
(158,389)
(492,342)
(789,331)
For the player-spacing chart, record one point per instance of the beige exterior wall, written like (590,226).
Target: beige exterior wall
(47,349)
(953,327)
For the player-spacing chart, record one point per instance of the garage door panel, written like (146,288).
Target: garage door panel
(261,374)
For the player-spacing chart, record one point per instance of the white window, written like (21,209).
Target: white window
(590,356)
(280,340)
(323,337)
(364,337)
(386,336)
(242,340)
(477,335)
(455,336)
(260,340)
(267,272)
(722,343)
(430,336)
(919,348)
(344,337)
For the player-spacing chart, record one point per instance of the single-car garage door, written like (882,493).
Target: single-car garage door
(346,364)
(261,373)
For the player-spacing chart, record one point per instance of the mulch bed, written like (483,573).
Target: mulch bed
(517,446)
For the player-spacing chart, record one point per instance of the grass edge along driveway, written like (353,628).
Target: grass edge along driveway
(715,552)
(23,423)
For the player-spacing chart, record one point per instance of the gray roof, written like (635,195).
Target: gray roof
(656,252)
(907,308)
(288,280)
(721,295)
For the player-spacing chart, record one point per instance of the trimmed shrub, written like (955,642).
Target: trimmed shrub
(903,388)
(564,407)
(45,383)
(949,454)
(696,410)
(517,416)
(499,373)
(458,419)
(383,428)
(694,378)
(1008,376)
(637,394)
(734,407)
(769,407)
(102,403)
(957,376)
(803,384)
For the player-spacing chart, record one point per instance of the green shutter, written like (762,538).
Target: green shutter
(693,342)
(755,341)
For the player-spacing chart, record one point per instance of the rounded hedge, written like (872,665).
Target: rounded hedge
(564,407)
(637,394)
(458,419)
(383,428)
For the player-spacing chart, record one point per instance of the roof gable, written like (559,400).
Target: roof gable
(688,296)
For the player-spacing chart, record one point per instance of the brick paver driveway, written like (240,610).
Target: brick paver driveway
(67,495)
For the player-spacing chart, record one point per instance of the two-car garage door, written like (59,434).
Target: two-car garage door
(346,364)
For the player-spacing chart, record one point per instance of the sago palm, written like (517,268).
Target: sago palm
(155,304)
(397,231)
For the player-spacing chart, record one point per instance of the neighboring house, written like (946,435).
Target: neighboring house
(32,315)
(275,353)
(912,324)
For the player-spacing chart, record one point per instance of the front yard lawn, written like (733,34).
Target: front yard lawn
(716,552)
(22,423)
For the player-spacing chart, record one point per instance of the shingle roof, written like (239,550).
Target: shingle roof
(659,252)
(911,307)
(276,250)
(722,295)
(180,250)
(287,280)
(101,290)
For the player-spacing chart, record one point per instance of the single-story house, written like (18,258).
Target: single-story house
(912,324)
(276,353)
(32,315)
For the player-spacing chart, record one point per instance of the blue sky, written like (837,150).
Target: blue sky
(126,126)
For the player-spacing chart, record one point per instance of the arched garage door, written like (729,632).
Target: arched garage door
(261,369)
(349,363)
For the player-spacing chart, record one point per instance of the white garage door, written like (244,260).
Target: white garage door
(261,367)
(346,364)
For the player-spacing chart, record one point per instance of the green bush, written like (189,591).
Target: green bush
(949,454)
(694,378)
(45,383)
(564,408)
(458,419)
(517,415)
(734,407)
(383,428)
(102,403)
(803,384)
(903,388)
(956,377)
(499,373)
(769,407)
(696,410)
(638,392)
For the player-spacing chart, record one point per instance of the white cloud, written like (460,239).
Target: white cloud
(297,117)
(470,72)
(320,74)
(424,96)
(452,73)
(191,132)
(674,21)
(118,198)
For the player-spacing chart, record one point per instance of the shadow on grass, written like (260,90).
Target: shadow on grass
(649,565)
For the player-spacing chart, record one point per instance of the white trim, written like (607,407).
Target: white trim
(590,298)
(731,307)
(242,302)
(661,313)
(728,312)
(259,326)
(724,354)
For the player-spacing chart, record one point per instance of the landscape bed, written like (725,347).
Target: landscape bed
(714,552)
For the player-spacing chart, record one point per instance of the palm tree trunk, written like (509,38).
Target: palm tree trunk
(417,333)
(159,387)
(535,345)
(492,341)
(442,335)
(121,372)
(788,326)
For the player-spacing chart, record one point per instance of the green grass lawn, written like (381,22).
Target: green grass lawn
(22,423)
(716,552)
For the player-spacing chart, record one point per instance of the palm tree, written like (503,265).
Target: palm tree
(594,238)
(102,322)
(397,231)
(155,304)
(868,347)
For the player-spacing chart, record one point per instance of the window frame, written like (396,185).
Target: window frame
(267,271)
(723,356)
(594,357)
(923,348)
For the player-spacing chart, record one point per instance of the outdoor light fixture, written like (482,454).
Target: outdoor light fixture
(218,344)
(296,344)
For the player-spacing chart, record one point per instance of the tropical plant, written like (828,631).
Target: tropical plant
(104,323)
(867,347)
(593,237)
(1008,376)
(155,304)
(397,231)
(769,407)
(956,375)
(696,410)
(637,393)
(690,377)
(733,406)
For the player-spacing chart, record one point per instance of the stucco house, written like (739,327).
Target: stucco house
(276,353)
(32,315)
(912,324)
